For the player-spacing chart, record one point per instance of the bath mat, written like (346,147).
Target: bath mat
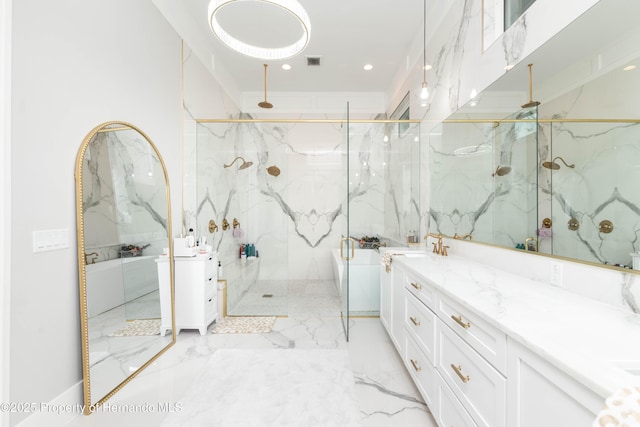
(245,325)
(139,327)
(271,388)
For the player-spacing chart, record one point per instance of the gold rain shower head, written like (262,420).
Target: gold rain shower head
(501,171)
(554,166)
(531,102)
(244,164)
(265,104)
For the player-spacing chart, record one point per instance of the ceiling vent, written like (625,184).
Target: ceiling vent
(313,61)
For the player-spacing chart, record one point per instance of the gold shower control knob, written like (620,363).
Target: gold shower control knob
(606,226)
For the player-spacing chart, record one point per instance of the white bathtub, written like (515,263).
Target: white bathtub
(106,282)
(364,280)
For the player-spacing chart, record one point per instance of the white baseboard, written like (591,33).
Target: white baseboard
(60,411)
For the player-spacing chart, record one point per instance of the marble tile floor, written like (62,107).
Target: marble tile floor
(386,395)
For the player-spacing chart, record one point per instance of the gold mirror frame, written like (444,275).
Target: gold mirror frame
(89,404)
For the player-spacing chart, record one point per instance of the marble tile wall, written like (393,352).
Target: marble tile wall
(295,218)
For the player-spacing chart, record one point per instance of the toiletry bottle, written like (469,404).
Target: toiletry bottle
(191,241)
(241,250)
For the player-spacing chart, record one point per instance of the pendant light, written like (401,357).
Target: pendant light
(424,92)
(265,104)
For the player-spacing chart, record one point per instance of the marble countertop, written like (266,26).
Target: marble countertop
(588,340)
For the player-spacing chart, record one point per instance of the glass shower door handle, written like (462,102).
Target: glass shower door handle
(353,248)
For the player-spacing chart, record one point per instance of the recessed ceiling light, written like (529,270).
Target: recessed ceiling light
(368,67)
(629,68)
(508,67)
(427,67)
(286,66)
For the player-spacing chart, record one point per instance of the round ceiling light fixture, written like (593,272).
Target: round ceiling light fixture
(290,6)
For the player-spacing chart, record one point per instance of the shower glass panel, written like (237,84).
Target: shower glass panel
(347,243)
(244,212)
(515,180)
(484,179)
(310,184)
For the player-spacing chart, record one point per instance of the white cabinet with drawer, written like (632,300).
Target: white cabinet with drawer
(196,290)
(421,370)
(490,342)
(448,411)
(420,323)
(479,386)
(542,395)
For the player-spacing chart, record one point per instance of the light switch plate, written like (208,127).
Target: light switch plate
(556,274)
(50,240)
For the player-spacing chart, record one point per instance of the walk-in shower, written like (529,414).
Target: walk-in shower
(335,178)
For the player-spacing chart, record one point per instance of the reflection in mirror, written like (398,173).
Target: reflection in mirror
(485,178)
(124,224)
(580,166)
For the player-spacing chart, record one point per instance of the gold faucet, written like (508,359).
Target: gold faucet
(464,236)
(438,248)
(531,239)
(93,258)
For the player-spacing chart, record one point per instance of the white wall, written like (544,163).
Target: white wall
(5,200)
(75,65)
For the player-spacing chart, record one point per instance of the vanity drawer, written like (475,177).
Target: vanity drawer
(420,323)
(480,388)
(449,411)
(421,370)
(422,290)
(210,306)
(210,266)
(490,342)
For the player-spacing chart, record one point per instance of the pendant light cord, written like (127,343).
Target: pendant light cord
(424,41)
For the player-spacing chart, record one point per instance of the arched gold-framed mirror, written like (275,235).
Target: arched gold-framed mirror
(123,220)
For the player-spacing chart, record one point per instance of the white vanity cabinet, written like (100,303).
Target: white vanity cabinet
(385,297)
(539,394)
(196,292)
(397,309)
(470,372)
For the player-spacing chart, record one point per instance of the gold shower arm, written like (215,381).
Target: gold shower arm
(235,160)
(565,163)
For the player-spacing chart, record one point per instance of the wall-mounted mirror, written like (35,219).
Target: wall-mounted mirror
(499,174)
(124,229)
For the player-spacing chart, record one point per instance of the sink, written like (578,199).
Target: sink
(631,367)
(415,255)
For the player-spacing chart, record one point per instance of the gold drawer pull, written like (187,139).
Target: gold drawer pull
(415,321)
(459,321)
(418,286)
(415,365)
(458,371)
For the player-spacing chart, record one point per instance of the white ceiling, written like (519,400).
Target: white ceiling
(345,34)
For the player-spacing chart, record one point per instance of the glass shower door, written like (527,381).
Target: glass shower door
(347,244)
